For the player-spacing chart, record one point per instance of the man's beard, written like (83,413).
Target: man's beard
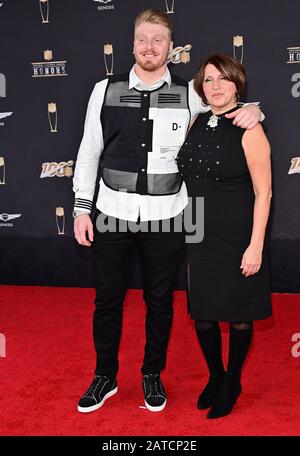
(148,65)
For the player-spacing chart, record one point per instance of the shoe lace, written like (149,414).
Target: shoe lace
(97,383)
(152,382)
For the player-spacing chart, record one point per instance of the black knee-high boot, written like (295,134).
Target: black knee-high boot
(209,336)
(231,388)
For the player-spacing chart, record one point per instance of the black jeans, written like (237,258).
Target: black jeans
(159,254)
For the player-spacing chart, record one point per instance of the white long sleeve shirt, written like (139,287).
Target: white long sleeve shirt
(126,206)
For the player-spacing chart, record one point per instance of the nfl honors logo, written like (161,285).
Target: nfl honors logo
(293,54)
(49,68)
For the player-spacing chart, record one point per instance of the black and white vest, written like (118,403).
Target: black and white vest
(143,132)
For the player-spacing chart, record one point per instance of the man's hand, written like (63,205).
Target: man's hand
(245,117)
(82,226)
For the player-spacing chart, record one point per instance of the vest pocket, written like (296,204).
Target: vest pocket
(164,184)
(121,181)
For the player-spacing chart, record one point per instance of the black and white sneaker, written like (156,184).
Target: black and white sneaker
(101,389)
(154,393)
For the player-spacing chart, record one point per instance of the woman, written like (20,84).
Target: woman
(228,271)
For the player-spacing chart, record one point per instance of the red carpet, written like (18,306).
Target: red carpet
(50,359)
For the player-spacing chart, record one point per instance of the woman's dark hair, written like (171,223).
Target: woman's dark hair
(230,68)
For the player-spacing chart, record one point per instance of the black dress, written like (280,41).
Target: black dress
(214,166)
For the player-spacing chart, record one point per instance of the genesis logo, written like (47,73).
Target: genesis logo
(3,115)
(5,218)
(105,5)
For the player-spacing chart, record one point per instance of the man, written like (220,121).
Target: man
(137,123)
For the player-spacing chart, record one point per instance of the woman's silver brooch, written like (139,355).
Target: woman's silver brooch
(213,121)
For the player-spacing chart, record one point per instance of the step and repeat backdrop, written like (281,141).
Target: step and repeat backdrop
(52,52)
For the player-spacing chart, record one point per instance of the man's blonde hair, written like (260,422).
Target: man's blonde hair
(154,17)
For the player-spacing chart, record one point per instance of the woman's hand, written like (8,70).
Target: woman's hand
(251,261)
